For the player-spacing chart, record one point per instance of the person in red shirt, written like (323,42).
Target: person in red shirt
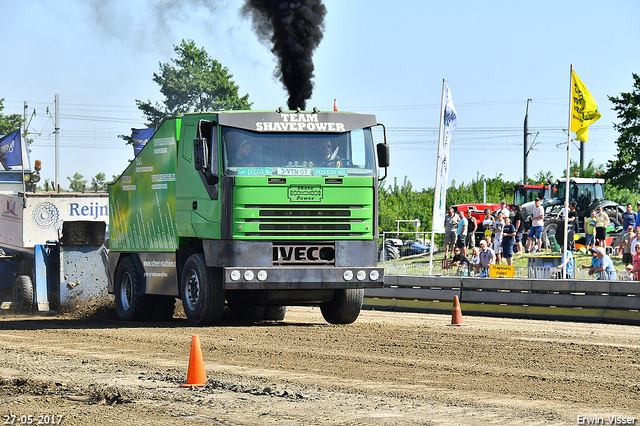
(635,266)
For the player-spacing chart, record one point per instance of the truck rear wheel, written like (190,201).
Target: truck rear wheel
(244,312)
(131,304)
(345,306)
(201,291)
(23,293)
(275,313)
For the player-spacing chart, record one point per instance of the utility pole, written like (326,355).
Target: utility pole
(25,115)
(526,145)
(56,131)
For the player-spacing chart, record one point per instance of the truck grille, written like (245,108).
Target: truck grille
(303,221)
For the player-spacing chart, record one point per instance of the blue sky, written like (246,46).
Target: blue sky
(380,57)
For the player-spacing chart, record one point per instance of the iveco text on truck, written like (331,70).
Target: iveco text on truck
(252,211)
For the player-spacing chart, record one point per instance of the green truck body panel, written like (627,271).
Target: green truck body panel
(144,197)
(160,197)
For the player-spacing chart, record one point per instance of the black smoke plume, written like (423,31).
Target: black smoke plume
(294,29)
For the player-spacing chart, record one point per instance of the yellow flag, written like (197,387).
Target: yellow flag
(584,109)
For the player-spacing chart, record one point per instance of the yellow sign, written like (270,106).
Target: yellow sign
(501,271)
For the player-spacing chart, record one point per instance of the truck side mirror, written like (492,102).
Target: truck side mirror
(383,155)
(200,153)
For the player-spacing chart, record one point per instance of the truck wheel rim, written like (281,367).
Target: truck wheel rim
(18,297)
(125,291)
(192,290)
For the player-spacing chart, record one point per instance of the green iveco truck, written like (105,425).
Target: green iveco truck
(248,212)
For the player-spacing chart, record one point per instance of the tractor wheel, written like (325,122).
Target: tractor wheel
(551,227)
(345,306)
(201,291)
(23,293)
(131,304)
(614,216)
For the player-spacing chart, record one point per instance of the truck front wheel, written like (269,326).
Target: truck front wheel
(23,293)
(201,291)
(345,306)
(131,304)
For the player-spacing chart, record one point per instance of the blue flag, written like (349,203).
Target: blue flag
(11,150)
(141,137)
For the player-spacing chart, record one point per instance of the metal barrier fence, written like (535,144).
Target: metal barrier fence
(591,300)
(422,269)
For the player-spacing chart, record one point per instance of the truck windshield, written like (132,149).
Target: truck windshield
(293,154)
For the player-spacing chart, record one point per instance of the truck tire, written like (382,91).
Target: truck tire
(201,291)
(131,304)
(23,293)
(275,313)
(345,306)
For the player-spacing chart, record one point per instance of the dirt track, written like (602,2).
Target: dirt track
(386,369)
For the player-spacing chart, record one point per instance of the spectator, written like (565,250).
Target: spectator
(635,240)
(594,262)
(487,257)
(474,264)
(572,224)
(518,222)
(498,226)
(508,234)
(537,223)
(487,224)
(590,229)
(635,269)
(503,208)
(471,230)
(604,266)
(624,247)
(637,215)
(459,260)
(489,241)
(629,217)
(461,232)
(569,261)
(602,220)
(450,227)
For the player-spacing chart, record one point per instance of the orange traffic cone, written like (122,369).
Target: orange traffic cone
(456,315)
(196,375)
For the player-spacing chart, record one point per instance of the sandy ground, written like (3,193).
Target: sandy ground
(385,369)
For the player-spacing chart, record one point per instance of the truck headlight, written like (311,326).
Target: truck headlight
(235,275)
(262,275)
(374,275)
(348,275)
(361,275)
(248,275)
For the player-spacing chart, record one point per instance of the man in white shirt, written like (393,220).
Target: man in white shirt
(535,233)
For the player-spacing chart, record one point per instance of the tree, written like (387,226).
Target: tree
(590,171)
(542,177)
(624,171)
(98,182)
(77,184)
(197,82)
(9,123)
